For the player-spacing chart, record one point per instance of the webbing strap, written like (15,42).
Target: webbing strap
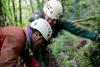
(29,37)
(29,41)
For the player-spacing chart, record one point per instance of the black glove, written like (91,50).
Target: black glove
(31,19)
(98,38)
(34,16)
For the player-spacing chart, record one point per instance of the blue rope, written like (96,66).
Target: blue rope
(30,40)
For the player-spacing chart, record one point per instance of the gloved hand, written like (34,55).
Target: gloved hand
(34,16)
(98,38)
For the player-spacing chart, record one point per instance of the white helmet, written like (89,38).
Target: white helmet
(43,27)
(53,9)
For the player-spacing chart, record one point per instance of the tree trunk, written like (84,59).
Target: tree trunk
(31,6)
(76,9)
(42,4)
(14,11)
(63,4)
(2,18)
(39,5)
(20,11)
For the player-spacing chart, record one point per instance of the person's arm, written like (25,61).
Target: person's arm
(74,29)
(11,48)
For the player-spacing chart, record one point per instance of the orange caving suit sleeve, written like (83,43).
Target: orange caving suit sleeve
(12,41)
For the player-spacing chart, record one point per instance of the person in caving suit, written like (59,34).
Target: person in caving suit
(17,42)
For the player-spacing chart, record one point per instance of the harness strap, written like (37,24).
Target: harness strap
(29,41)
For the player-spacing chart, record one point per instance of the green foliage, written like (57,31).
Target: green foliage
(65,45)
(67,54)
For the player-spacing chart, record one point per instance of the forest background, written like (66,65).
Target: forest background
(69,50)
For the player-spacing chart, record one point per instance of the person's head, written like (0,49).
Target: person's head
(53,11)
(41,31)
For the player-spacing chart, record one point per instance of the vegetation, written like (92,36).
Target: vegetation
(70,50)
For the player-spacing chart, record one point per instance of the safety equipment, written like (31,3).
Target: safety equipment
(43,27)
(53,9)
(98,38)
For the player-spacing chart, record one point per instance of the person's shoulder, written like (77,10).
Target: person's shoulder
(13,31)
